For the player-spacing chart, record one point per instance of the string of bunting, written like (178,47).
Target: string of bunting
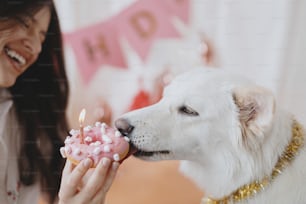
(141,24)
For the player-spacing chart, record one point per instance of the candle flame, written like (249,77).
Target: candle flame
(82,116)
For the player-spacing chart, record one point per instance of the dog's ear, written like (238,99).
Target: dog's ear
(256,107)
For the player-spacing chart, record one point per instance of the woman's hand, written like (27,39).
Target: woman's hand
(75,190)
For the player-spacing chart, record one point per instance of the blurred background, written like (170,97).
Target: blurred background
(121,53)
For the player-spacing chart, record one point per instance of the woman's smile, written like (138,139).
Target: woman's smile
(16,59)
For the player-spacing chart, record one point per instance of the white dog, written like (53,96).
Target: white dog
(230,135)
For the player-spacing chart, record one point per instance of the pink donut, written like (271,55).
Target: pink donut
(98,141)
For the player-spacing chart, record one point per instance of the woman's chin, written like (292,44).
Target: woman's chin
(7,82)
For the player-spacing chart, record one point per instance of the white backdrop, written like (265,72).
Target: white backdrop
(264,40)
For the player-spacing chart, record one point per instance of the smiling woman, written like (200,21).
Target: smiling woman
(33,99)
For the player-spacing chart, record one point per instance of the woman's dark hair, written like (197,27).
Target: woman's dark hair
(40,97)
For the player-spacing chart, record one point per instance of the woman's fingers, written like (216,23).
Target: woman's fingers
(68,167)
(106,183)
(66,171)
(111,175)
(94,189)
(97,179)
(71,182)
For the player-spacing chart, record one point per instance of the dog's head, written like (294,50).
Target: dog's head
(204,116)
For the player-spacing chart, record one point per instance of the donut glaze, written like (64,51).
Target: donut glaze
(98,141)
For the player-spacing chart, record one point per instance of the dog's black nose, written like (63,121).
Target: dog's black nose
(124,126)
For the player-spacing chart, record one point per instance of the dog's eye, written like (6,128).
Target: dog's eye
(188,111)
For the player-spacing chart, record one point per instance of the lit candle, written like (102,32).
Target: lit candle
(81,121)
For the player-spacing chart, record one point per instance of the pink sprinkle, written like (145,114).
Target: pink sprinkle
(68,149)
(103,130)
(98,124)
(127,139)
(97,143)
(106,139)
(88,139)
(106,148)
(117,134)
(97,151)
(77,151)
(68,140)
(87,128)
(73,132)
(116,157)
(63,152)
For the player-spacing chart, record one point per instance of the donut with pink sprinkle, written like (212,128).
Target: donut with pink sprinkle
(95,142)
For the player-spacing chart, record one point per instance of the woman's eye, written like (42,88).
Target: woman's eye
(188,111)
(24,22)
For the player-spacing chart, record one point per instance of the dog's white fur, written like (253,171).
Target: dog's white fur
(236,138)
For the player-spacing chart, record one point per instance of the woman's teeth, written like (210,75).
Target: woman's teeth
(15,56)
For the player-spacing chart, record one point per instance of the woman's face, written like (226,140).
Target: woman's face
(21,44)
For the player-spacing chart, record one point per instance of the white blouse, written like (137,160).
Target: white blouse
(11,190)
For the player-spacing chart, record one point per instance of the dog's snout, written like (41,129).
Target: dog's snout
(124,126)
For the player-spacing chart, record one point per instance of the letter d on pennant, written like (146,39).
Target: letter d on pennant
(144,23)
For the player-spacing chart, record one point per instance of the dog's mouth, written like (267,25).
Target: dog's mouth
(143,153)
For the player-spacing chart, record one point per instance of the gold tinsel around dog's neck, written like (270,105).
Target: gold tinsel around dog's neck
(250,190)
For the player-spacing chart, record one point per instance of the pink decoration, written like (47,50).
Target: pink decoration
(179,8)
(141,24)
(142,99)
(94,46)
